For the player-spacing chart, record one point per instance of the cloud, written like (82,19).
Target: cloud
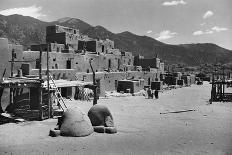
(202,24)
(149,31)
(32,11)
(208,32)
(219,29)
(208,14)
(177,2)
(166,34)
(199,32)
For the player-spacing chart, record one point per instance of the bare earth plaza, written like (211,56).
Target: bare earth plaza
(141,128)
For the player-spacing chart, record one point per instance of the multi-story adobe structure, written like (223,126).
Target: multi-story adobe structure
(69,54)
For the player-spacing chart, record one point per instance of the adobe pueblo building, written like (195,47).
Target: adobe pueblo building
(67,55)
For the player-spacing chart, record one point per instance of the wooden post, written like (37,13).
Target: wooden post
(48,84)
(40,86)
(12,74)
(94,83)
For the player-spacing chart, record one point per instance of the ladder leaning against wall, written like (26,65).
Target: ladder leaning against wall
(58,95)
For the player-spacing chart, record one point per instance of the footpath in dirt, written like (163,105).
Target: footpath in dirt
(145,126)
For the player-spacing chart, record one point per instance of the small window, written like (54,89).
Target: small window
(37,64)
(109,64)
(87,71)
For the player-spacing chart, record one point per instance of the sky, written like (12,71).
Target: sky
(169,21)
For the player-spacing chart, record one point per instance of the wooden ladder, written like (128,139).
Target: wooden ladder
(58,95)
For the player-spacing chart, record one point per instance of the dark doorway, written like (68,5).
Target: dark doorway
(34,98)
(68,64)
(103,48)
(109,64)
(64,92)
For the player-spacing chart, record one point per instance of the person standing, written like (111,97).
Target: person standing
(149,93)
(156,94)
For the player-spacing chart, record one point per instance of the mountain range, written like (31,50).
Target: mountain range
(26,30)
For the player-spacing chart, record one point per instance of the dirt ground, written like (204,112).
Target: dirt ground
(141,128)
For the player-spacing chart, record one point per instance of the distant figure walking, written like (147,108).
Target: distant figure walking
(149,93)
(156,94)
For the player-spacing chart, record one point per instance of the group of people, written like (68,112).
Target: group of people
(152,94)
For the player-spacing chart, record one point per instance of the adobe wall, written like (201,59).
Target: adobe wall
(62,35)
(79,62)
(63,38)
(57,74)
(4,63)
(104,45)
(99,46)
(134,86)
(127,58)
(59,29)
(89,45)
(18,50)
(54,47)
(110,61)
(5,57)
(56,60)
(71,39)
(108,81)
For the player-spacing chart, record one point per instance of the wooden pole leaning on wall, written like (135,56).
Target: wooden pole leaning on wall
(40,86)
(48,85)
(94,83)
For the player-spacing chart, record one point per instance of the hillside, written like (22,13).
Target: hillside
(27,30)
